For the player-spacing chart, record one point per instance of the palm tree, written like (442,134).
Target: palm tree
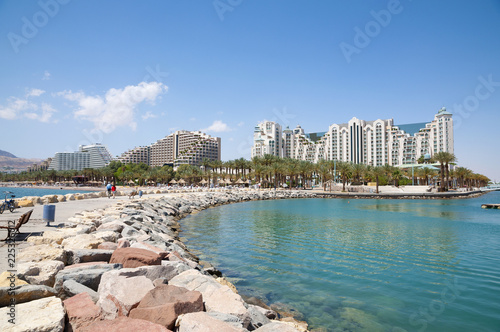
(444,158)
(344,168)
(377,172)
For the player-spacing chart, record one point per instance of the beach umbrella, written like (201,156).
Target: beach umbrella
(182,181)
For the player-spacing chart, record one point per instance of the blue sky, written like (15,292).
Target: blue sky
(127,73)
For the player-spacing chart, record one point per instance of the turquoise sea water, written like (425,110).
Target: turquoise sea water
(28,191)
(361,265)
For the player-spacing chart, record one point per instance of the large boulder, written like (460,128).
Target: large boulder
(202,322)
(72,288)
(156,250)
(9,279)
(87,276)
(88,255)
(81,311)
(39,273)
(118,294)
(42,252)
(44,315)
(24,293)
(122,324)
(108,246)
(277,326)
(84,241)
(133,257)
(217,297)
(163,304)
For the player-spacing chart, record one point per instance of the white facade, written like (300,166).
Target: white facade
(373,143)
(88,156)
(267,138)
(136,155)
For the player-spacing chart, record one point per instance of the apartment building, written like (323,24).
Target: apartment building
(88,156)
(375,143)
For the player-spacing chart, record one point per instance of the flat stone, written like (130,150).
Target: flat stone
(108,246)
(94,265)
(84,241)
(118,294)
(25,293)
(123,243)
(42,252)
(88,255)
(277,326)
(44,315)
(203,322)
(217,297)
(72,288)
(156,250)
(8,279)
(132,257)
(81,311)
(90,277)
(39,273)
(124,324)
(164,303)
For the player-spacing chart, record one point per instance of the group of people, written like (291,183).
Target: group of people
(111,190)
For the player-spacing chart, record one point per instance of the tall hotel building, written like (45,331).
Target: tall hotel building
(373,143)
(185,147)
(88,156)
(181,147)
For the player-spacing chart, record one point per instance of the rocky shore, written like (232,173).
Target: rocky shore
(123,268)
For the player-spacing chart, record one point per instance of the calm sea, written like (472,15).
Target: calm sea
(361,265)
(28,191)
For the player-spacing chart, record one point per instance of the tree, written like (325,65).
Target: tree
(444,158)
(377,172)
(344,168)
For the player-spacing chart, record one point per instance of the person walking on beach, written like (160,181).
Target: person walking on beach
(113,191)
(108,188)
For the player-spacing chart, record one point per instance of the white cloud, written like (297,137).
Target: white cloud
(217,127)
(241,124)
(192,119)
(18,108)
(117,107)
(34,93)
(149,115)
(46,113)
(46,76)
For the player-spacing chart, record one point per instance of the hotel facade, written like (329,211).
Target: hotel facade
(180,147)
(358,141)
(88,156)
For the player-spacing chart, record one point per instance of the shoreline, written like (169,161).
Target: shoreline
(148,224)
(154,223)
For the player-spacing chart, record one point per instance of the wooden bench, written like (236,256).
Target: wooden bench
(22,220)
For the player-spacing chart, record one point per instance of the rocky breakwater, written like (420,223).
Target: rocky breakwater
(123,268)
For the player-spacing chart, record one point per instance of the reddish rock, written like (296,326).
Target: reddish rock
(124,324)
(83,265)
(81,311)
(123,243)
(108,246)
(175,256)
(163,304)
(133,257)
(142,245)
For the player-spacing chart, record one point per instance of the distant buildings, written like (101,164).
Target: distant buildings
(88,156)
(42,166)
(136,155)
(181,147)
(373,143)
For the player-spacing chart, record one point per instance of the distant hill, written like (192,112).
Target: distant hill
(6,154)
(11,163)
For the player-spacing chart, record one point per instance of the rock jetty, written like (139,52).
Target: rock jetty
(124,268)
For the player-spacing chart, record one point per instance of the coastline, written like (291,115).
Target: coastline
(160,214)
(148,224)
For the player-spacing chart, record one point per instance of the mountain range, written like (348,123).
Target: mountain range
(10,163)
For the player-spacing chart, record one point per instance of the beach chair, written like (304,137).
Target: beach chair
(22,220)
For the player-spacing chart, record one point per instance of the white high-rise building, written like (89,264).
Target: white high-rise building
(267,139)
(88,156)
(373,143)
